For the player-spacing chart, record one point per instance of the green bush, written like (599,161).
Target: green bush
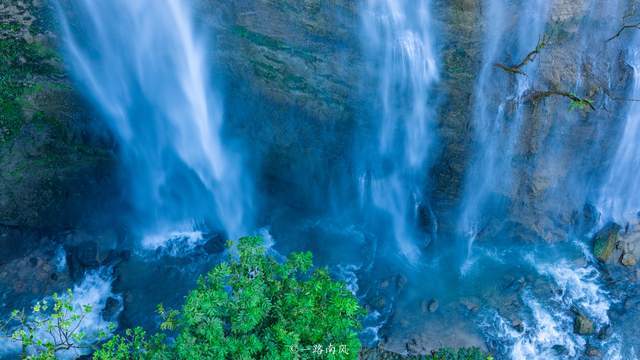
(256,307)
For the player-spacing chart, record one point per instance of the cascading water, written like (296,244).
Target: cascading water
(497,131)
(148,75)
(618,199)
(398,39)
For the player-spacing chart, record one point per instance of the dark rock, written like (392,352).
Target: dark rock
(470,305)
(115,257)
(215,243)
(429,305)
(35,274)
(433,305)
(384,284)
(605,332)
(379,353)
(426,219)
(560,350)
(604,241)
(593,352)
(518,325)
(630,303)
(587,219)
(401,281)
(86,254)
(82,257)
(628,259)
(583,325)
(111,308)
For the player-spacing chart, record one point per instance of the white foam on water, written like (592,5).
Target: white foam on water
(174,242)
(615,350)
(370,333)
(580,286)
(94,290)
(347,273)
(548,322)
(544,332)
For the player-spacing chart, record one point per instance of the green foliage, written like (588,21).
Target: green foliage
(133,344)
(460,354)
(20,63)
(580,103)
(257,308)
(53,326)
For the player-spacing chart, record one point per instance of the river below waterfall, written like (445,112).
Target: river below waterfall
(469,168)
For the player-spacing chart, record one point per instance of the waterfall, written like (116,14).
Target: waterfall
(397,38)
(146,69)
(496,130)
(619,199)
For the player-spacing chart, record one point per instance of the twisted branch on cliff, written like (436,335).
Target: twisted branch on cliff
(576,102)
(623,28)
(517,69)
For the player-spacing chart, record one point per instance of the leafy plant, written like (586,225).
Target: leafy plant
(133,344)
(460,354)
(258,308)
(580,103)
(53,326)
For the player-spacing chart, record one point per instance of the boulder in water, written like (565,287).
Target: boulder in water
(583,325)
(593,352)
(518,325)
(560,350)
(604,241)
(429,305)
(628,259)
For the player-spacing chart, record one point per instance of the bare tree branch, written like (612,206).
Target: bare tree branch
(517,68)
(578,101)
(623,28)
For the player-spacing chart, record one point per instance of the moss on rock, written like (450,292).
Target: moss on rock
(604,241)
(47,155)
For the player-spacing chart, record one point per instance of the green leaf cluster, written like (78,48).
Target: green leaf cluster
(580,104)
(258,308)
(53,326)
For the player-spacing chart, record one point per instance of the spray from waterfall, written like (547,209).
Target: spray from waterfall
(398,42)
(496,129)
(619,198)
(148,74)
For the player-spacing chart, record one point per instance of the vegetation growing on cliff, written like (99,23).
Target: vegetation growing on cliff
(576,102)
(21,63)
(531,56)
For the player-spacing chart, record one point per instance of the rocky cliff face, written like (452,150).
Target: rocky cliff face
(52,156)
(300,65)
